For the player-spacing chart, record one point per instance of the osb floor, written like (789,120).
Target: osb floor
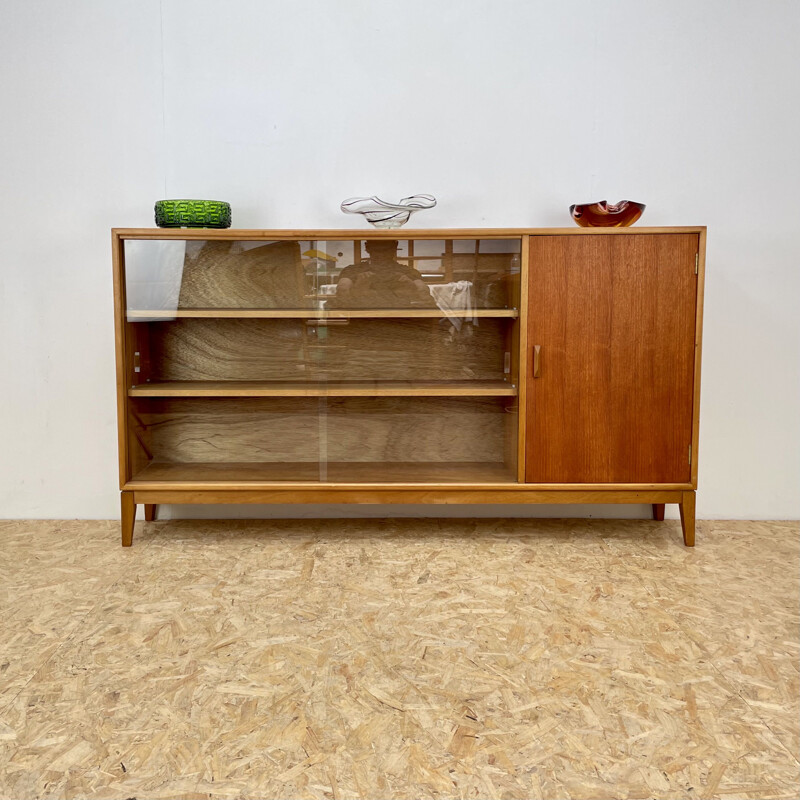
(399,659)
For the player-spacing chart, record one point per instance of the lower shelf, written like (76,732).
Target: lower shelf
(333,472)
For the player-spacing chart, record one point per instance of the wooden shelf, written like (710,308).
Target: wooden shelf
(313,313)
(331,389)
(357,472)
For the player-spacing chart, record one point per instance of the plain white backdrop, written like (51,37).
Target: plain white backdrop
(507,111)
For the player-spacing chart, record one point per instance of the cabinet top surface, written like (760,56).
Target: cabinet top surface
(374,233)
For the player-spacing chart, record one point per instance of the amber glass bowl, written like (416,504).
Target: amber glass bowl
(607,215)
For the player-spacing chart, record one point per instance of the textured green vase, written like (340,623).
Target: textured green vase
(193,214)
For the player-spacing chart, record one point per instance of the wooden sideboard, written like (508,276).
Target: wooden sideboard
(408,366)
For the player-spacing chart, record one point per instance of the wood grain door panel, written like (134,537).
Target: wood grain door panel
(614,317)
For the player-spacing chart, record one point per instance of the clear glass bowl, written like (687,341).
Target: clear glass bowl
(381,214)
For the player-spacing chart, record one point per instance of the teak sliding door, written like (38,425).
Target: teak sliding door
(611,329)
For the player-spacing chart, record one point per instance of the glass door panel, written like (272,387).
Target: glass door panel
(324,439)
(267,358)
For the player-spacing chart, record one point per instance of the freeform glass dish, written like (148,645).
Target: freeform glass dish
(607,215)
(381,214)
(193,214)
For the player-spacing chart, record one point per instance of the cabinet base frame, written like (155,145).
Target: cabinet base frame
(152,497)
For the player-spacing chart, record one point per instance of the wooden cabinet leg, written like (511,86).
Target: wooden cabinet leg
(128,518)
(150,511)
(687,518)
(658,512)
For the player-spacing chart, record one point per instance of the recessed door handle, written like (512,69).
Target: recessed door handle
(536,360)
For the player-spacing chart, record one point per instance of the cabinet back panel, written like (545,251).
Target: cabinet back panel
(359,349)
(614,317)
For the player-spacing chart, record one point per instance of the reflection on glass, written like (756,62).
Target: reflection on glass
(453,275)
(381,281)
(153,272)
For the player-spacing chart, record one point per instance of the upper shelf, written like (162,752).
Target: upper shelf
(376,388)
(311,313)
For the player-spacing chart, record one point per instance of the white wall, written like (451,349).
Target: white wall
(506,111)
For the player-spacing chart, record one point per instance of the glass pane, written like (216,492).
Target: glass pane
(335,439)
(345,361)
(166,276)
(420,439)
(198,438)
(453,277)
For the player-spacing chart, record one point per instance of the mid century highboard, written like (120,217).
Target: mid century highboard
(409,366)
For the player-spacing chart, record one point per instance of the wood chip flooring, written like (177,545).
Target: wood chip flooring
(399,659)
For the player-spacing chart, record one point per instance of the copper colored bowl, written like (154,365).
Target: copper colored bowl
(607,215)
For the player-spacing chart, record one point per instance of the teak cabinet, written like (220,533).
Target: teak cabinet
(401,366)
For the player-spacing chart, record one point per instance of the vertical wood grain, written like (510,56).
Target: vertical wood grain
(698,351)
(127,517)
(521,356)
(120,326)
(687,508)
(615,319)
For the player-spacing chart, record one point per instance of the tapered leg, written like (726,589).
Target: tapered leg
(658,511)
(150,511)
(128,518)
(687,518)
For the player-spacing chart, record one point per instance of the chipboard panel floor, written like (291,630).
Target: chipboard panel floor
(399,659)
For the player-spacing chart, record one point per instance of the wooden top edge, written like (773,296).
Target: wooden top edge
(397,233)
